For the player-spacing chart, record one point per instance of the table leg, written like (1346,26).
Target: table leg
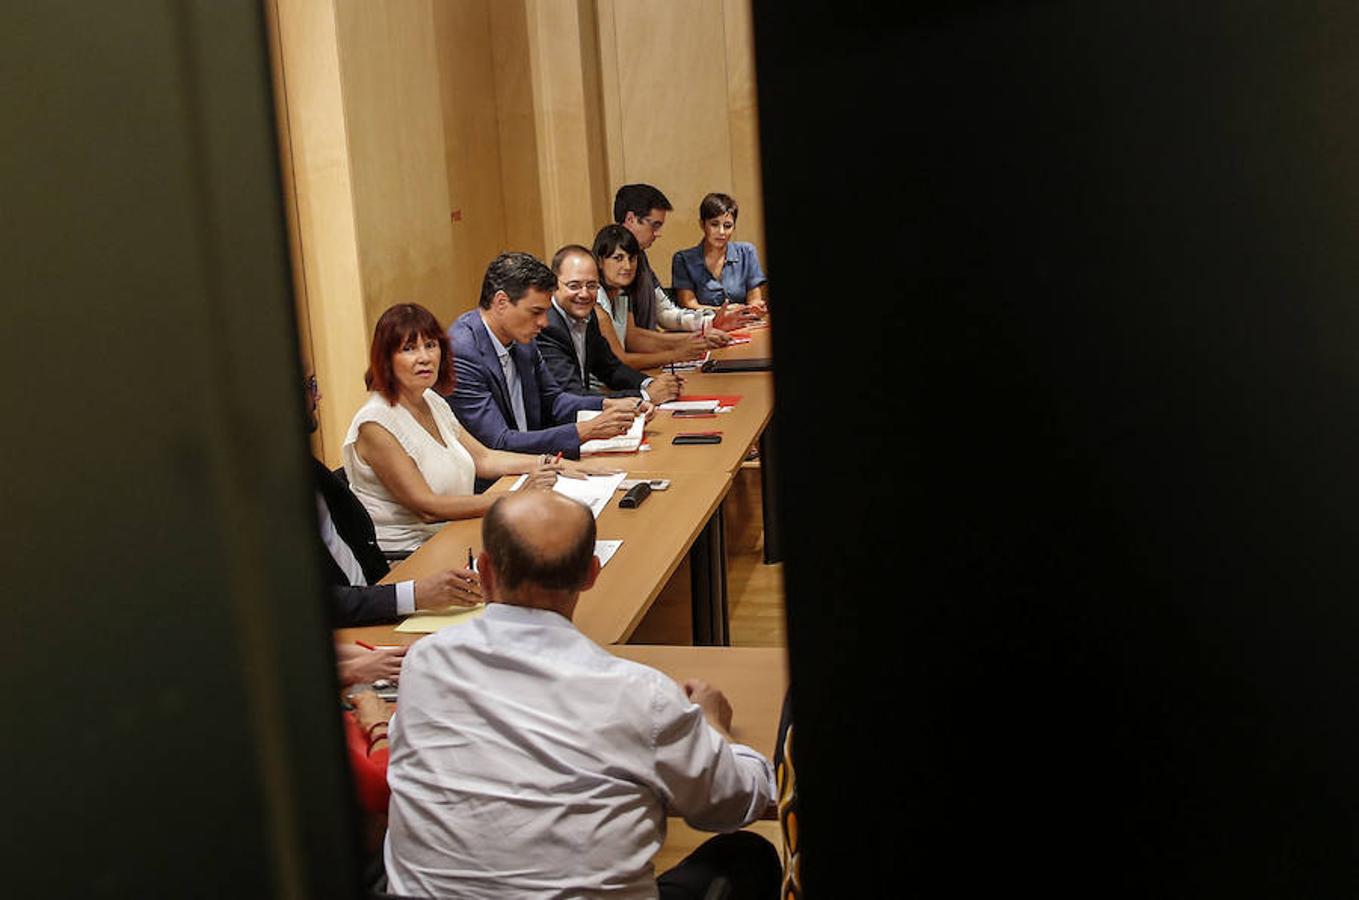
(769,499)
(708,583)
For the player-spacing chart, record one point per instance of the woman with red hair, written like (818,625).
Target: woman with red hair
(408,459)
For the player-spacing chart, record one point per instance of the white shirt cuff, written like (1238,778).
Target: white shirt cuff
(405,598)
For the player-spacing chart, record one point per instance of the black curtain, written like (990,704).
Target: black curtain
(1067,368)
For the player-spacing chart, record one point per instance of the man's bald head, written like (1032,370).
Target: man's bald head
(539,540)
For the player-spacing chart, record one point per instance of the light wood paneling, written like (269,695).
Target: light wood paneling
(389,70)
(327,250)
(471,146)
(744,124)
(678,95)
(518,127)
(565,100)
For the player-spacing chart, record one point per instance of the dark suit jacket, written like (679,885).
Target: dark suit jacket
(481,400)
(559,354)
(352,605)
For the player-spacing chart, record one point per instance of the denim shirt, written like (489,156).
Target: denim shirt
(740,273)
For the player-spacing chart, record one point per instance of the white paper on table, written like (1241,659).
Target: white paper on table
(626,443)
(688,363)
(594,491)
(690,405)
(605,551)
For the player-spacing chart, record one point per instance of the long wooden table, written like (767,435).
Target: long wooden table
(655,536)
(753,678)
(687,518)
(740,428)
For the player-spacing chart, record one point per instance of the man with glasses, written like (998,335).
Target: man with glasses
(575,351)
(641,209)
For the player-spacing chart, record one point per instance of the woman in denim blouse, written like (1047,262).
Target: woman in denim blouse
(719,270)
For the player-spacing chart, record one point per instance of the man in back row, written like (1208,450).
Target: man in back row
(528,761)
(574,348)
(641,209)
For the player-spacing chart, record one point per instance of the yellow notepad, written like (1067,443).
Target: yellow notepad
(421,622)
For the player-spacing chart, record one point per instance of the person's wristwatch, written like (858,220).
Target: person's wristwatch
(642,388)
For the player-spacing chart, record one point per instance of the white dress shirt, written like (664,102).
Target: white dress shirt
(526,761)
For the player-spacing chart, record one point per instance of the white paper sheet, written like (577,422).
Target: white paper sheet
(594,491)
(690,405)
(605,551)
(626,443)
(688,364)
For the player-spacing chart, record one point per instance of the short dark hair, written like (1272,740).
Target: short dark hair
(610,238)
(569,250)
(514,273)
(638,199)
(516,563)
(397,325)
(715,205)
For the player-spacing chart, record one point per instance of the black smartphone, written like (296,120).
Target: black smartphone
(696,439)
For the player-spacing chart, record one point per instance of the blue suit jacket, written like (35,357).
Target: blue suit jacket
(481,400)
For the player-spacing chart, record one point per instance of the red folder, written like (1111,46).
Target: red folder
(722,399)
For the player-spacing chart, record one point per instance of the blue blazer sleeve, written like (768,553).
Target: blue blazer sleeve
(476,409)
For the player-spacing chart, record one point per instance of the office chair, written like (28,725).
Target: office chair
(390,555)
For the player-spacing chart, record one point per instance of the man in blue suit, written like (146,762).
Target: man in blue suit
(503,393)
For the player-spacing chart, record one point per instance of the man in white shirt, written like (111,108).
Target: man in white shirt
(526,761)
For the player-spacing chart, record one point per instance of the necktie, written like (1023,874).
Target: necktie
(516,393)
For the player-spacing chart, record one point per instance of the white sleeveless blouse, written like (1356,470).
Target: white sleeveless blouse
(447,469)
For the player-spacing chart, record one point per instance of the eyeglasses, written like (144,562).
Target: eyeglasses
(574,286)
(312,386)
(653,224)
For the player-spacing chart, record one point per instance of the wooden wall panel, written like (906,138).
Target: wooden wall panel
(565,105)
(518,127)
(326,254)
(390,75)
(673,92)
(679,109)
(743,123)
(467,92)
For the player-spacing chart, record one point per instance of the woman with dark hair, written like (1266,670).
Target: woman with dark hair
(719,271)
(408,459)
(615,251)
